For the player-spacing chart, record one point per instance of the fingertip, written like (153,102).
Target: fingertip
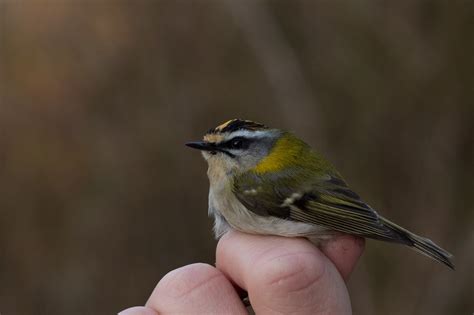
(344,251)
(181,282)
(195,289)
(138,310)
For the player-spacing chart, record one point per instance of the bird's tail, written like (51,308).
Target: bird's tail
(421,244)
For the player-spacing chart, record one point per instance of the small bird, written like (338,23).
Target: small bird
(268,181)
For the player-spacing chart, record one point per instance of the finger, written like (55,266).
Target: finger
(282,275)
(195,289)
(344,251)
(138,310)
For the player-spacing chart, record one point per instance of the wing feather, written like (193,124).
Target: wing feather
(324,201)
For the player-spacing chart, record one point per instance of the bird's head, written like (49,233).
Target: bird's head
(237,146)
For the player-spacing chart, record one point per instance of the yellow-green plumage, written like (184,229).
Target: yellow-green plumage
(290,151)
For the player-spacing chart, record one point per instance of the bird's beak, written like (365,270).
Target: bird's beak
(202,145)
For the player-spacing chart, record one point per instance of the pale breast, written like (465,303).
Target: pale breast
(229,212)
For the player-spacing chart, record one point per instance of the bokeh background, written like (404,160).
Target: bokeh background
(100,198)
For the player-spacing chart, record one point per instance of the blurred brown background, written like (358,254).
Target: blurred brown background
(100,198)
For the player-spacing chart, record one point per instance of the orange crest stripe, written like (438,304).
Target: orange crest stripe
(222,126)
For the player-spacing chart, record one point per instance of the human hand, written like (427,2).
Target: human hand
(281,275)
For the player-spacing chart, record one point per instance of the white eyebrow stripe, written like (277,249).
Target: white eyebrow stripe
(247,134)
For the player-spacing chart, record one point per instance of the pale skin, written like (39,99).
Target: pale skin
(281,276)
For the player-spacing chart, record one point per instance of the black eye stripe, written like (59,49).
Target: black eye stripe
(236,143)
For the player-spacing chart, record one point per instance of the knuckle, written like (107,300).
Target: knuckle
(289,274)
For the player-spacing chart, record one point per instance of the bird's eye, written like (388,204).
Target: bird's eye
(238,143)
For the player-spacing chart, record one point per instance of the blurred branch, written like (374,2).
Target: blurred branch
(279,61)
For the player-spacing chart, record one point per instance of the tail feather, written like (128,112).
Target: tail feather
(423,245)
